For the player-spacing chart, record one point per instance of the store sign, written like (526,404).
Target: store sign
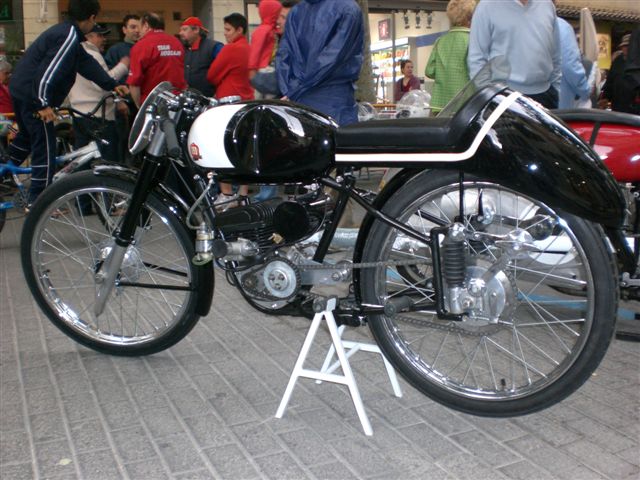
(604,50)
(6,10)
(384,29)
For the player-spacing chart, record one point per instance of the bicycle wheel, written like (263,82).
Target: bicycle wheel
(523,344)
(151,307)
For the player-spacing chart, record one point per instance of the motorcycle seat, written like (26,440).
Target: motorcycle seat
(597,116)
(396,135)
(417,135)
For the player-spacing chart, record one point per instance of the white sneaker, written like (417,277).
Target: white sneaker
(225,202)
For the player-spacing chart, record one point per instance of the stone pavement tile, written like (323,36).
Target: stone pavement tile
(326,424)
(180,453)
(208,431)
(33,359)
(47,428)
(172,378)
(459,465)
(411,463)
(53,459)
(292,420)
(161,422)
(20,471)
(604,437)
(88,435)
(500,429)
(232,408)
(391,409)
(602,412)
(133,370)
(148,395)
(332,471)
(308,447)
(197,475)
(443,419)
(631,455)
(606,463)
(252,389)
(194,364)
(280,467)
(97,365)
(432,443)
(257,439)
(11,391)
(68,361)
(544,455)
(211,385)
(188,402)
(133,445)
(109,389)
(542,427)
(485,449)
(230,462)
(213,351)
(121,415)
(14,448)
(524,470)
(364,458)
(37,377)
(146,470)
(80,407)
(12,417)
(98,465)
(72,383)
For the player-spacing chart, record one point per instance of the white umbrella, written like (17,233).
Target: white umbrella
(588,36)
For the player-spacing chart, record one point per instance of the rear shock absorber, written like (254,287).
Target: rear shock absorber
(454,267)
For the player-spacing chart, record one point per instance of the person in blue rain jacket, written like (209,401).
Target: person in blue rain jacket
(574,85)
(320,57)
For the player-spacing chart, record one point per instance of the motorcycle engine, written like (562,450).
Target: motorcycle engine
(276,221)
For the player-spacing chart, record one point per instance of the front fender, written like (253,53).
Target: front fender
(179,209)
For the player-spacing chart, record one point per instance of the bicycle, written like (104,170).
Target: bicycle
(16,196)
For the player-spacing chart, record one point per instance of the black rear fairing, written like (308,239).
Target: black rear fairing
(532,152)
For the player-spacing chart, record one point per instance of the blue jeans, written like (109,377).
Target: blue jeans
(266,192)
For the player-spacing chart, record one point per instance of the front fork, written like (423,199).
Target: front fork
(148,179)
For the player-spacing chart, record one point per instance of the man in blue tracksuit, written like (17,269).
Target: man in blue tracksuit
(41,81)
(320,57)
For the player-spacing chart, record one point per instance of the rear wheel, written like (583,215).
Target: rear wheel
(152,305)
(523,344)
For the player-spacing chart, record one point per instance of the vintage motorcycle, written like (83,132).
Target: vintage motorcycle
(486,269)
(615,137)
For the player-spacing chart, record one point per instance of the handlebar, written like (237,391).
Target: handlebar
(100,105)
(173,147)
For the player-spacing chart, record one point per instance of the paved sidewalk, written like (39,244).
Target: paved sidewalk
(205,409)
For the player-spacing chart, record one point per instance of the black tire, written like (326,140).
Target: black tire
(524,357)
(63,250)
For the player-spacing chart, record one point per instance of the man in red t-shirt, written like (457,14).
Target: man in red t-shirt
(156,57)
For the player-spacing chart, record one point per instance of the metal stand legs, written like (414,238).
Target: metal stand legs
(325,374)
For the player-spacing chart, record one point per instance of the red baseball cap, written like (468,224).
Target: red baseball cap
(194,22)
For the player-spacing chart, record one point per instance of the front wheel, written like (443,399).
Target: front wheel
(538,297)
(152,305)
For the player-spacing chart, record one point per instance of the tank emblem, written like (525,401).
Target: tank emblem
(195,152)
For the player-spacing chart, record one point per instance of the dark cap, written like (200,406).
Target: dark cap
(101,29)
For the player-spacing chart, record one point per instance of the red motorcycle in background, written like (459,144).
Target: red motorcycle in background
(615,137)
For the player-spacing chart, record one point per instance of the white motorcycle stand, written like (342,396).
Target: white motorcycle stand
(324,310)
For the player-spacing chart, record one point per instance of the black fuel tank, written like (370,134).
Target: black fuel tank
(273,141)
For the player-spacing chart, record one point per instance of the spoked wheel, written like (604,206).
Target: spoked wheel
(152,305)
(523,344)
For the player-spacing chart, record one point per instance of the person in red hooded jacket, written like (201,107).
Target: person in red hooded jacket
(263,39)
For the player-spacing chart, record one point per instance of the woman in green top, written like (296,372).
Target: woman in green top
(447,64)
